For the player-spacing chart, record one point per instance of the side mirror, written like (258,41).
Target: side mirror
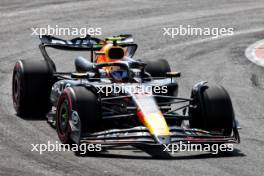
(82,75)
(173,74)
(99,53)
(79,75)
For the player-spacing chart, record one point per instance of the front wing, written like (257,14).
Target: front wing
(140,135)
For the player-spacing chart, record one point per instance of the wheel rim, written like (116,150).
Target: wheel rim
(63,118)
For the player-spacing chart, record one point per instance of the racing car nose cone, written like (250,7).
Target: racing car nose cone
(163,139)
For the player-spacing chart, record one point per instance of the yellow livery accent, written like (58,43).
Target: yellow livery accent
(155,122)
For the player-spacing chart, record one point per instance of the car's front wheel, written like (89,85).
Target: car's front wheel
(212,110)
(77,107)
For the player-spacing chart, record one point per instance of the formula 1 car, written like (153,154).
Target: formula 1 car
(115,100)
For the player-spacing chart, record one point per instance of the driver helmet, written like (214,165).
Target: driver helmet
(110,53)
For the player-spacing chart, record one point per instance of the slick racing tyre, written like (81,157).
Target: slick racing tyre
(157,68)
(79,106)
(31,87)
(212,110)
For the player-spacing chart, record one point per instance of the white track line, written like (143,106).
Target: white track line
(204,40)
(236,33)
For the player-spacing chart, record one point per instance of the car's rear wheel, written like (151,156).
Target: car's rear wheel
(79,105)
(212,110)
(31,87)
(157,68)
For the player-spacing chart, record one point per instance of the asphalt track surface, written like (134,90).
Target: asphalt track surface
(220,61)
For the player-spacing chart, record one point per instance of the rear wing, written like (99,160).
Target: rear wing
(87,43)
